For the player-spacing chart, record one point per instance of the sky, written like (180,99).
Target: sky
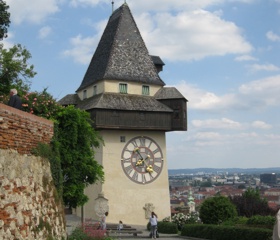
(222,55)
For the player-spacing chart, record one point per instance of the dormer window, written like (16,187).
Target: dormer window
(94,90)
(145,90)
(84,94)
(123,87)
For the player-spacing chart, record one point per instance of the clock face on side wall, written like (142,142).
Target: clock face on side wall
(142,159)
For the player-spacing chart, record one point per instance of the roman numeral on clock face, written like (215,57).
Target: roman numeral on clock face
(142,142)
(156,168)
(129,169)
(135,176)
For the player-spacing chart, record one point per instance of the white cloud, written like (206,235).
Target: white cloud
(198,98)
(178,5)
(207,135)
(245,58)
(82,50)
(264,86)
(76,3)
(273,136)
(263,67)
(44,32)
(247,135)
(261,125)
(223,123)
(34,12)
(158,5)
(253,96)
(185,35)
(272,36)
(261,93)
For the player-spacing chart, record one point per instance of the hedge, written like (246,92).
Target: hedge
(165,227)
(218,232)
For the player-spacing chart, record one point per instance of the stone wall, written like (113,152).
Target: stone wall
(29,205)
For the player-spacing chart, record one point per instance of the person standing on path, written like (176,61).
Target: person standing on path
(153,221)
(103,221)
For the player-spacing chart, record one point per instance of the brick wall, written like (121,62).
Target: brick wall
(22,131)
(30,208)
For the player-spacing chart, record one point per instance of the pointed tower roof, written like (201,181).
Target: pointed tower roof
(121,54)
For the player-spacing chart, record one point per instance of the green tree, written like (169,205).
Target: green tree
(216,210)
(4,19)
(70,153)
(76,138)
(251,203)
(15,69)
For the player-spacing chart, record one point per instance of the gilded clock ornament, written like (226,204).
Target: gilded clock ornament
(142,159)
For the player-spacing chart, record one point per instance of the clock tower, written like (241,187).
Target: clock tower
(132,110)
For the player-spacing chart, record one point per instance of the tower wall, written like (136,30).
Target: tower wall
(127,199)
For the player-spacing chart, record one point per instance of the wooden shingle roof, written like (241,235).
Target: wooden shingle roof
(116,101)
(168,93)
(121,54)
(69,99)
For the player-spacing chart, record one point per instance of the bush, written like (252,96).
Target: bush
(265,221)
(180,219)
(216,210)
(78,234)
(218,232)
(88,232)
(40,104)
(165,227)
(236,221)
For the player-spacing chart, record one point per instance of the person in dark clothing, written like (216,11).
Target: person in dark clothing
(15,100)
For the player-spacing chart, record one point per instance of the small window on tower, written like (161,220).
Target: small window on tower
(145,90)
(123,87)
(94,90)
(176,114)
(122,138)
(84,94)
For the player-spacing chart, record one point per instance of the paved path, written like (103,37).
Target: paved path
(73,221)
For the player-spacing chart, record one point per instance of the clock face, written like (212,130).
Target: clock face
(142,160)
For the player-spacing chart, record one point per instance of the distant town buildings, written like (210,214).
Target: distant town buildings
(268,178)
(188,191)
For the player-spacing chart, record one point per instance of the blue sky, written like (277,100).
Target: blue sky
(223,56)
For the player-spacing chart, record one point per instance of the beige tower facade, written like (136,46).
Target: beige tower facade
(132,111)
(128,200)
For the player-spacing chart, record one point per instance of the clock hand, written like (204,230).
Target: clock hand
(138,152)
(149,167)
(140,161)
(144,160)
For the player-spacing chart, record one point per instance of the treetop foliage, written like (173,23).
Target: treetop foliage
(4,19)
(251,203)
(15,69)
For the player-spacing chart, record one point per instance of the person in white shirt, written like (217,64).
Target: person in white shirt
(103,221)
(153,221)
(120,226)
